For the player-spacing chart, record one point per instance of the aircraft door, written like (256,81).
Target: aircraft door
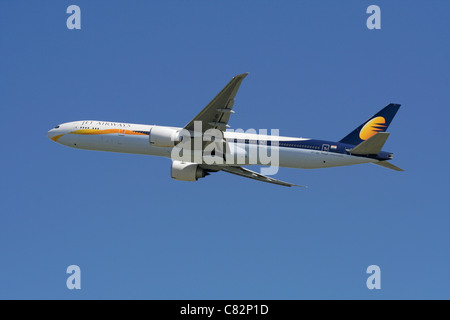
(121,136)
(325,148)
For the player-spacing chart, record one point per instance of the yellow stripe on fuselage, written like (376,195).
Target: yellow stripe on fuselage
(55,138)
(105,131)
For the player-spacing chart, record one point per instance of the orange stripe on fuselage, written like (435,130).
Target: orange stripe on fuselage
(55,138)
(106,131)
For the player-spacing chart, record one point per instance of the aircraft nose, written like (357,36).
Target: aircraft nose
(53,134)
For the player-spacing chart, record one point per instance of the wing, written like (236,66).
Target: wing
(243,172)
(217,113)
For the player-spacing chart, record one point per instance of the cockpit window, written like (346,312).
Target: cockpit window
(56,127)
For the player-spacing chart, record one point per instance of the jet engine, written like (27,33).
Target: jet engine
(164,137)
(187,171)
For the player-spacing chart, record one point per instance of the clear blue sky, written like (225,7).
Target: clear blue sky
(315,71)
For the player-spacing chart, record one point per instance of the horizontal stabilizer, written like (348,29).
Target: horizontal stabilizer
(388,165)
(373,145)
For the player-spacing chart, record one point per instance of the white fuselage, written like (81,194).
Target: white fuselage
(134,139)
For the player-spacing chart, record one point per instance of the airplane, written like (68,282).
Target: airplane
(362,145)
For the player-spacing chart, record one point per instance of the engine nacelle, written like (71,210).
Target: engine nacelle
(187,171)
(164,137)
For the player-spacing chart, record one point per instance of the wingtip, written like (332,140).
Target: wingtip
(300,186)
(242,75)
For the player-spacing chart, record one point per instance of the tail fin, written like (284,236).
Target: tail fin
(377,123)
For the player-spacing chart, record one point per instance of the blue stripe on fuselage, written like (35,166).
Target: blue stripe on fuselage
(319,145)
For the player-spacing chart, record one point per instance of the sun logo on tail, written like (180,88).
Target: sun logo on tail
(371,127)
